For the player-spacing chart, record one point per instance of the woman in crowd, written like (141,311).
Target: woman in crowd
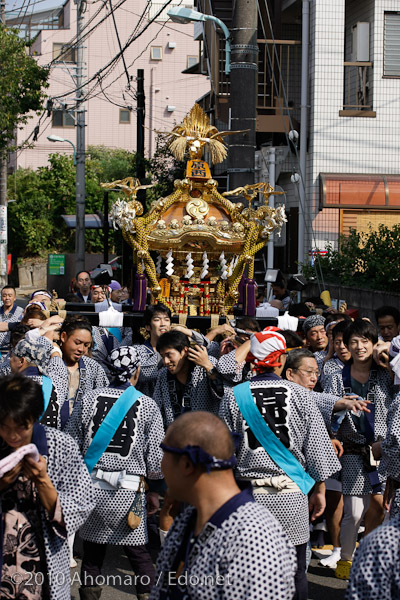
(44,496)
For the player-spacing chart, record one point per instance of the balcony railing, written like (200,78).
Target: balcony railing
(357,96)
(278,72)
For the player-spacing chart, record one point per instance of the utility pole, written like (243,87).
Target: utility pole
(127,255)
(243,94)
(3,193)
(80,139)
(141,170)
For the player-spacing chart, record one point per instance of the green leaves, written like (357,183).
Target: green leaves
(22,84)
(367,260)
(36,226)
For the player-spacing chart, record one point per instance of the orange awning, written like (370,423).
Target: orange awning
(338,190)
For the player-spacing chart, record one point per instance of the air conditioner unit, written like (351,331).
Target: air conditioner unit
(360,41)
(171,108)
(171,45)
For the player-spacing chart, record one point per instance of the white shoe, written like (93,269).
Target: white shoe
(331,560)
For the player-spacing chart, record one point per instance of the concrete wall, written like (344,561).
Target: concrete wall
(366,301)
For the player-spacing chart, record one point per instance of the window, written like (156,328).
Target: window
(191,61)
(156,53)
(61,118)
(155,10)
(391,45)
(63,53)
(124,116)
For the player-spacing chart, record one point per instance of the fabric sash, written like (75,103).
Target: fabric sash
(65,409)
(109,426)
(270,442)
(108,342)
(116,332)
(371,396)
(47,388)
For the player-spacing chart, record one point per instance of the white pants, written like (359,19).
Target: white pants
(354,510)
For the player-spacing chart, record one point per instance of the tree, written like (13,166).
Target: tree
(22,83)
(363,259)
(35,222)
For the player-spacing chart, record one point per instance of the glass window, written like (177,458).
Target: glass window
(124,116)
(61,118)
(191,61)
(156,53)
(63,53)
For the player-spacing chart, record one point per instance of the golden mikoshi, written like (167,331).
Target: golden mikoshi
(205,242)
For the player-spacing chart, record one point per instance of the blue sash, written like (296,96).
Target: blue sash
(271,444)
(47,388)
(116,332)
(109,426)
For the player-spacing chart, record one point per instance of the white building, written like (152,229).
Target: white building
(353,134)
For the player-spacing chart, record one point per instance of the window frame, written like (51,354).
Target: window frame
(121,122)
(64,114)
(154,48)
(385,14)
(196,58)
(68,51)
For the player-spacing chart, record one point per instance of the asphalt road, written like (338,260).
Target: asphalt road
(322,583)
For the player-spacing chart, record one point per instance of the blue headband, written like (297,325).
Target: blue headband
(198,456)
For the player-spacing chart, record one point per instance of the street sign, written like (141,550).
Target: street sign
(56,264)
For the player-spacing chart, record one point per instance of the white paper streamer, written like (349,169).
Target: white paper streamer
(206,263)
(189,266)
(224,270)
(158,264)
(231,266)
(170,264)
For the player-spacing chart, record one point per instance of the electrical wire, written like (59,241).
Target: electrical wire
(137,57)
(130,41)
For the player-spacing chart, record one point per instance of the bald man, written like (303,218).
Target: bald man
(224,545)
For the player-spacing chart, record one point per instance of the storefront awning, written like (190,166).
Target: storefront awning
(338,190)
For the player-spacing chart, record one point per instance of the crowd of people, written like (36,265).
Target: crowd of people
(220,449)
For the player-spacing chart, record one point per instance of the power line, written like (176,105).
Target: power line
(136,58)
(118,55)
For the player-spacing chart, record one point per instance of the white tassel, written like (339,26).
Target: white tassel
(189,266)
(206,263)
(224,271)
(158,264)
(170,264)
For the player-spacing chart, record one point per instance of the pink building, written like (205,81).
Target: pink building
(163,50)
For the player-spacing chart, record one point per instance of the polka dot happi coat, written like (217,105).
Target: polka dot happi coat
(135,448)
(355,480)
(375,573)
(292,413)
(247,557)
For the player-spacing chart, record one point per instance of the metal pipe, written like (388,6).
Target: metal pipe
(303,128)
